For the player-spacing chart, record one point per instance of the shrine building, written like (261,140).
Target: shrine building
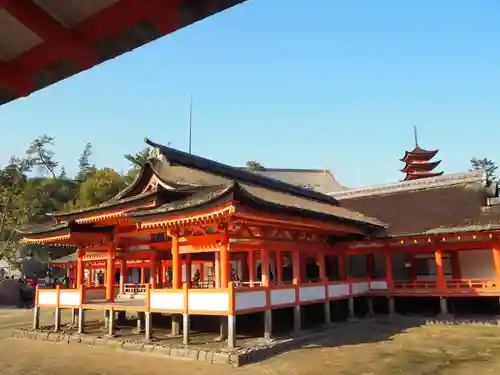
(215,240)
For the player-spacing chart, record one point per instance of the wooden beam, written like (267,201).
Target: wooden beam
(15,80)
(51,31)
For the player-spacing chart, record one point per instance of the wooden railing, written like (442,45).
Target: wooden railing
(451,286)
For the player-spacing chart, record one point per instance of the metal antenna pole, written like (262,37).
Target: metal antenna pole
(190,121)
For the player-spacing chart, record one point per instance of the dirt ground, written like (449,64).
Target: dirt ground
(361,349)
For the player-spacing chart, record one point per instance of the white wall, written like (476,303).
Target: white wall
(477,264)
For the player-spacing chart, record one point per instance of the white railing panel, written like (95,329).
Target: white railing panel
(378,285)
(250,300)
(282,297)
(47,297)
(360,287)
(208,301)
(167,300)
(69,298)
(338,290)
(311,293)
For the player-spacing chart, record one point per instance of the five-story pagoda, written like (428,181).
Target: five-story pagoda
(418,162)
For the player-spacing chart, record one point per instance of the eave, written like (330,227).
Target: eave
(46,42)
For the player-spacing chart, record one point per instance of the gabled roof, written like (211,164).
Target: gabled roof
(183,168)
(445,204)
(319,180)
(257,197)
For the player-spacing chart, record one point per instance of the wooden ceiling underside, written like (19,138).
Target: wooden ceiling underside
(45,41)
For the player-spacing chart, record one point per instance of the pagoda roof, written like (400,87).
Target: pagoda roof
(419,153)
(420,174)
(44,42)
(451,203)
(421,167)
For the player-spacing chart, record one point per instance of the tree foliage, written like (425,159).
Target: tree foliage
(253,165)
(33,184)
(489,166)
(85,169)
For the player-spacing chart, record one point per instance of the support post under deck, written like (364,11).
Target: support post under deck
(186,329)
(352,311)
(176,325)
(57,317)
(231,331)
(111,323)
(297,319)
(36,317)
(148,326)
(81,320)
(268,324)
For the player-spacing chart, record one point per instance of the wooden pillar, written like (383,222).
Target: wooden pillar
(264,266)
(79,268)
(251,267)
(297,313)
(216,269)
(143,274)
(279,266)
(224,261)
(110,274)
(456,269)
(320,257)
(90,276)
(176,263)
(496,261)
(153,270)
(438,256)
(164,274)
(189,270)
(388,271)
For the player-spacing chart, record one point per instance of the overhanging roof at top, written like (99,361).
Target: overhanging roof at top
(45,41)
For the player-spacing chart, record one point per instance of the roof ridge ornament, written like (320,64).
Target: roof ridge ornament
(154,153)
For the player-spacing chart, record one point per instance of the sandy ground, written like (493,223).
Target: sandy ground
(361,349)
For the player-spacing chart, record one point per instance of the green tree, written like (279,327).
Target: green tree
(41,156)
(18,204)
(253,165)
(489,166)
(85,168)
(99,188)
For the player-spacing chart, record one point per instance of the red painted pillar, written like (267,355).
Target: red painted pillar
(438,256)
(251,267)
(110,275)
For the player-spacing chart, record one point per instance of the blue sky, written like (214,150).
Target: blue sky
(336,85)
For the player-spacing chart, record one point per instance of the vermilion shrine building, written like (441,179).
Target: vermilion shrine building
(217,240)
(191,237)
